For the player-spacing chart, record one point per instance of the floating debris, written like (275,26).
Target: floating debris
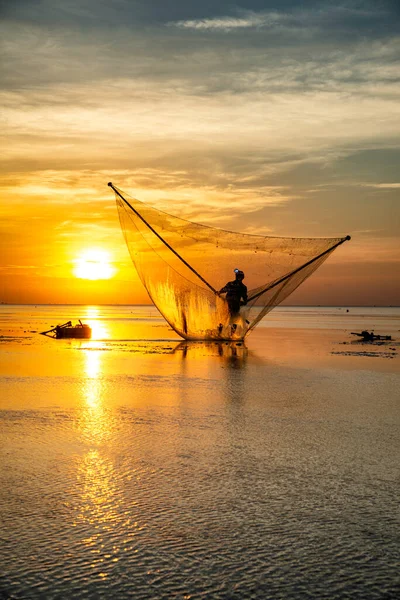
(380,343)
(370,354)
(371,336)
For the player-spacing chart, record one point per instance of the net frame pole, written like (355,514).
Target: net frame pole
(282,279)
(162,240)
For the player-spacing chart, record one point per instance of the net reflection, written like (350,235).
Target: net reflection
(234,354)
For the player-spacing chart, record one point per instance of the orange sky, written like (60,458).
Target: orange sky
(265,121)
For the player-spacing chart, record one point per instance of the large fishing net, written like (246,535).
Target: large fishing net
(184,266)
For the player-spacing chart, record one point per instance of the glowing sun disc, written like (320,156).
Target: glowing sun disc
(94,264)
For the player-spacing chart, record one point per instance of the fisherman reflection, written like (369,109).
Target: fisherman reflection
(233,354)
(236,293)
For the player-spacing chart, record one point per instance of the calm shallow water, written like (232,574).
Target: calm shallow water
(175,470)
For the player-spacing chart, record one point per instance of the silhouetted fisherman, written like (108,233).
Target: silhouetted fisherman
(236,293)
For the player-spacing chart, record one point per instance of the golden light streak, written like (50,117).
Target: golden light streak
(99,328)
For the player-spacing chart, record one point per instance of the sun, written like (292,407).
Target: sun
(94,264)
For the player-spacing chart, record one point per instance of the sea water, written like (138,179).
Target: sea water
(135,465)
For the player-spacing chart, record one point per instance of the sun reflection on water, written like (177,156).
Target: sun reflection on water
(93,364)
(101,514)
(93,318)
(107,526)
(95,420)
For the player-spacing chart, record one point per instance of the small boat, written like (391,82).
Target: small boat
(371,336)
(66,331)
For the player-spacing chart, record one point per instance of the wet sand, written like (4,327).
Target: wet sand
(137,465)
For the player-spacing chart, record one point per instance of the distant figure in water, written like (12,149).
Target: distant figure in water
(235,291)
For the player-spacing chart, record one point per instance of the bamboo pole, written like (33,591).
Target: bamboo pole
(162,239)
(282,279)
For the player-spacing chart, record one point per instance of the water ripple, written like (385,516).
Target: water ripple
(223,494)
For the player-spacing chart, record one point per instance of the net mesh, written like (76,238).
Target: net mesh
(184,265)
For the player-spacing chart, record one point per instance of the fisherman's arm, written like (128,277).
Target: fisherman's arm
(244,295)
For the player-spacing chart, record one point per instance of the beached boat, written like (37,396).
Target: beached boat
(67,330)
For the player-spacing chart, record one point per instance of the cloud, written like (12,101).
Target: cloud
(383,186)
(370,248)
(230,23)
(136,125)
(294,20)
(261,54)
(89,203)
(247,119)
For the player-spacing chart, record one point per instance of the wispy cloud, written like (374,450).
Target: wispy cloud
(296,19)
(383,186)
(227,23)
